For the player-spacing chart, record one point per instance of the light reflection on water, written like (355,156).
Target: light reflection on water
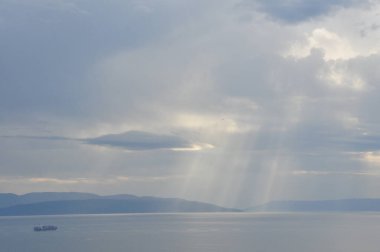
(194,232)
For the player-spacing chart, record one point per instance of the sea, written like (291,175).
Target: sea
(219,232)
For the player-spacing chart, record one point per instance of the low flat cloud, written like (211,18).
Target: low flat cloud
(140,140)
(294,11)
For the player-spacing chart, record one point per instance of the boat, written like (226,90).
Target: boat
(45,228)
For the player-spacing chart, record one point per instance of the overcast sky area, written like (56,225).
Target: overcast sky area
(233,102)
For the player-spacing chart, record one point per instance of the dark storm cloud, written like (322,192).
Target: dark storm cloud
(139,140)
(294,11)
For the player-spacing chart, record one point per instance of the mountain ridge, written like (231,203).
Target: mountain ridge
(84,203)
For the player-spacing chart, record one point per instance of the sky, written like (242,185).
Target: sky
(233,102)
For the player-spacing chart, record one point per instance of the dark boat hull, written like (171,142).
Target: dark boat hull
(45,228)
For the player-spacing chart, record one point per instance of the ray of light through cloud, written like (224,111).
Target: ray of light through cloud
(235,102)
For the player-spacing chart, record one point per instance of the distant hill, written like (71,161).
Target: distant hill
(343,205)
(10,199)
(83,203)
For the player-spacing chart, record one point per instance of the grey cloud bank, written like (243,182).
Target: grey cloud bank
(298,11)
(137,140)
(252,101)
(48,48)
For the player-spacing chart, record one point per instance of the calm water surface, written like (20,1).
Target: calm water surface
(194,232)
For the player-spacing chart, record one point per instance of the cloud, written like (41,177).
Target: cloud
(61,181)
(175,75)
(47,138)
(333,46)
(333,173)
(294,11)
(371,157)
(87,181)
(139,140)
(55,44)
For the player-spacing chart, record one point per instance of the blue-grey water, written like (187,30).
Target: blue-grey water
(194,232)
